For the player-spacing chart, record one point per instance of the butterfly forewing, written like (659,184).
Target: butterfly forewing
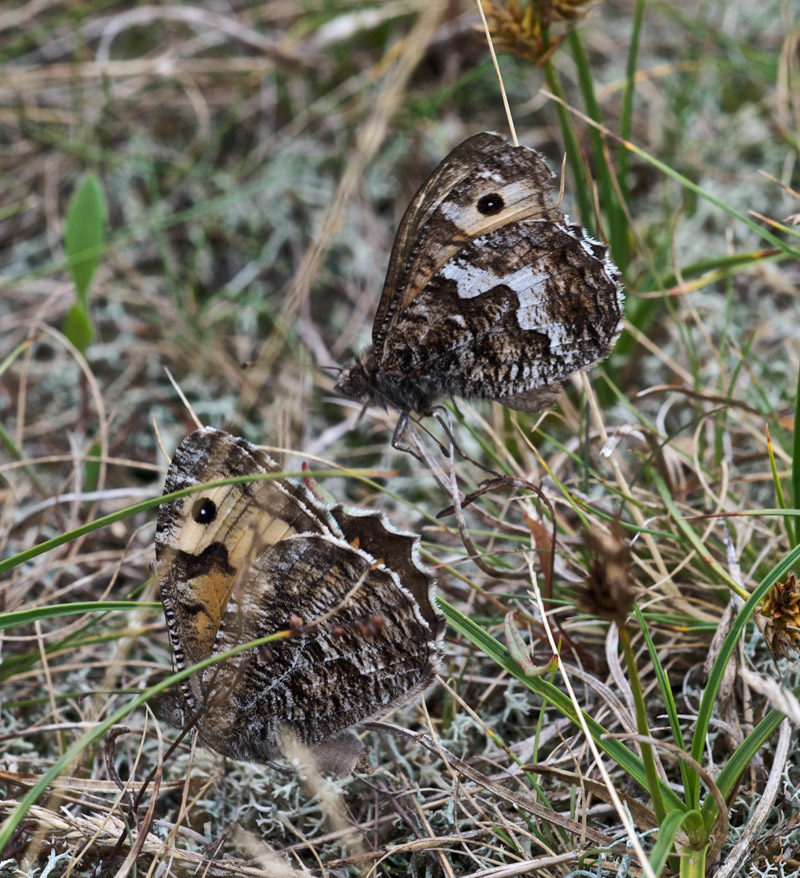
(428,197)
(483,184)
(205,541)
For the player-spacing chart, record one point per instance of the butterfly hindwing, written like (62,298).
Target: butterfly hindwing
(511,312)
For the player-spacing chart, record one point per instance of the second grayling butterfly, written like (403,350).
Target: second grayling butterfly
(238,562)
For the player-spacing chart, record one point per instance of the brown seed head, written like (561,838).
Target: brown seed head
(608,592)
(524,29)
(781,608)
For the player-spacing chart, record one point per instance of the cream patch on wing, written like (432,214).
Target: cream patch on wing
(242,524)
(530,287)
(521,200)
(244,528)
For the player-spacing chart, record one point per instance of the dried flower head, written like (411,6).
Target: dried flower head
(524,29)
(781,608)
(609,591)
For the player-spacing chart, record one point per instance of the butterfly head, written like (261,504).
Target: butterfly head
(400,387)
(357,381)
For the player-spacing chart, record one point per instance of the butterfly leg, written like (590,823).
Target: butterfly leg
(442,417)
(402,423)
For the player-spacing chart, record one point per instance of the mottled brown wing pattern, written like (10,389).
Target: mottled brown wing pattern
(205,539)
(491,292)
(263,557)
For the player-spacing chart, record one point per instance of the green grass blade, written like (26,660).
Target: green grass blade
(686,183)
(735,767)
(617,222)
(642,726)
(27,617)
(120,514)
(625,758)
(78,326)
(84,233)
(665,842)
(688,530)
(626,110)
(711,691)
(573,150)
(666,693)
(796,459)
(776,481)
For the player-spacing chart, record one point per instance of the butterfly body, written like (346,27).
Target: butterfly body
(239,562)
(491,292)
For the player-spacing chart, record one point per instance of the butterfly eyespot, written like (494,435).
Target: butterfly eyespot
(490,204)
(204,510)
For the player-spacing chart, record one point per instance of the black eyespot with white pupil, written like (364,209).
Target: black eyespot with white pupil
(490,204)
(204,510)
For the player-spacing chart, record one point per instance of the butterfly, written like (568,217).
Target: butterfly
(491,293)
(239,562)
